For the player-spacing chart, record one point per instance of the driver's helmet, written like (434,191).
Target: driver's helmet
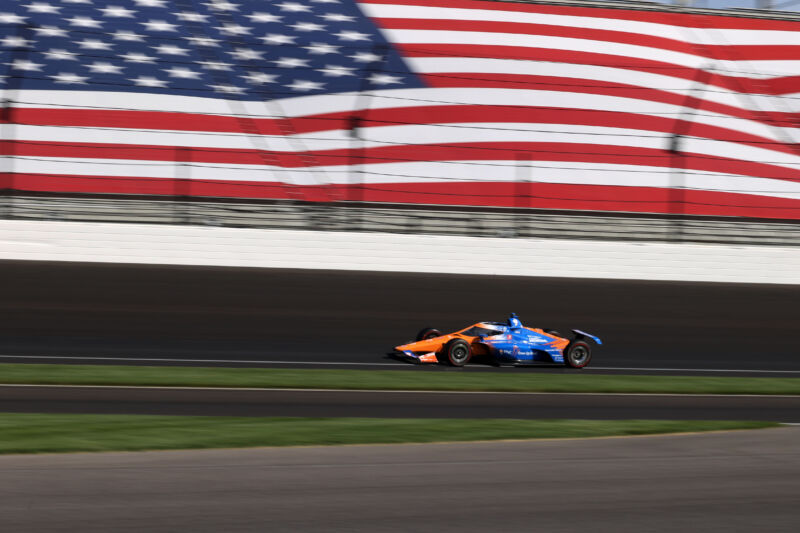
(514,322)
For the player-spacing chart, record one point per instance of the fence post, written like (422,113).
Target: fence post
(677,184)
(356,182)
(522,193)
(7,151)
(380,54)
(183,185)
(683,125)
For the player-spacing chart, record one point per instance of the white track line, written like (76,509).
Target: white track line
(694,370)
(347,363)
(399,391)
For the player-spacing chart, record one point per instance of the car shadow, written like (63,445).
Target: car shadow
(481,361)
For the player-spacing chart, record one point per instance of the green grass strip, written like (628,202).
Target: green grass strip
(414,379)
(38,433)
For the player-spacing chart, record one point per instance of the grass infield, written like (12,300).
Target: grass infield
(40,433)
(390,379)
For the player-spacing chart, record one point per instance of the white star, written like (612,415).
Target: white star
(123,35)
(94,44)
(25,64)
(260,77)
(151,3)
(365,57)
(203,41)
(158,25)
(69,78)
(322,48)
(60,54)
(77,1)
(180,72)
(135,57)
(263,17)
(50,31)
(118,12)
(170,49)
(384,79)
(233,29)
(14,41)
(293,7)
(149,81)
(39,7)
(11,18)
(274,38)
(336,71)
(304,85)
(228,89)
(353,36)
(337,17)
(222,5)
(246,54)
(291,62)
(215,65)
(308,26)
(85,22)
(326,1)
(190,16)
(101,67)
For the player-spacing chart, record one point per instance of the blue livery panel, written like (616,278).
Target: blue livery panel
(520,345)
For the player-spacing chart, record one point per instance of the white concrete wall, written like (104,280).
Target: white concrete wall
(194,245)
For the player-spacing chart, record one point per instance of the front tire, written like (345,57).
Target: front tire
(428,333)
(578,354)
(457,352)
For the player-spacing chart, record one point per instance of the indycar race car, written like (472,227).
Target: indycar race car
(509,343)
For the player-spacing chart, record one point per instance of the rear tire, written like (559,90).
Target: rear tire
(428,333)
(578,354)
(457,352)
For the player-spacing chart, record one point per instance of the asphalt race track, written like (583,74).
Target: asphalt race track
(734,481)
(203,313)
(327,403)
(718,482)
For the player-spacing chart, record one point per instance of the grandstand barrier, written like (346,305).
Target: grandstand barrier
(393,252)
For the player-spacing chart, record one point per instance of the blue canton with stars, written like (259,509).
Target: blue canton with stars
(242,49)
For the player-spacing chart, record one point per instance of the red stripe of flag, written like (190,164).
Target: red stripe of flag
(478,152)
(657,14)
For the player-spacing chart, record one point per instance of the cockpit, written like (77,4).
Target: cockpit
(481,330)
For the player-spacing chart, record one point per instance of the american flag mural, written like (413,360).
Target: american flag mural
(449,102)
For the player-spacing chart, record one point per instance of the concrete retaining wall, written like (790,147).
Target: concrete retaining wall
(193,245)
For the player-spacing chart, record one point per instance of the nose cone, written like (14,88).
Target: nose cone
(428,345)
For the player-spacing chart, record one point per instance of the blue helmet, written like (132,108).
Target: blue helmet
(514,322)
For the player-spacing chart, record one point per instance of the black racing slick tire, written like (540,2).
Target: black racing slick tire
(428,333)
(457,352)
(578,354)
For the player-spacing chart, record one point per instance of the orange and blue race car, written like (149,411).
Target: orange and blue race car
(504,343)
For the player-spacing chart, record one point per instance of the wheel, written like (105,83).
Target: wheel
(578,354)
(457,352)
(428,333)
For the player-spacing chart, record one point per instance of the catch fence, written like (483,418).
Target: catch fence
(365,217)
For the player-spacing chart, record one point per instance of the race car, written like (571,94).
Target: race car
(504,343)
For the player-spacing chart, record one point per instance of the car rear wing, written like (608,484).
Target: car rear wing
(583,335)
